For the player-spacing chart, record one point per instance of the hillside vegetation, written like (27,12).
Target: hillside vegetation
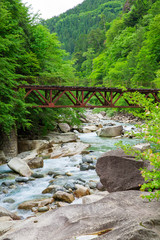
(113,43)
(79,21)
(28,54)
(131,54)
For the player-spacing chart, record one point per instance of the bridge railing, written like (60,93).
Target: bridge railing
(83,97)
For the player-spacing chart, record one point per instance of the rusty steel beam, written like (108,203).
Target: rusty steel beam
(86,97)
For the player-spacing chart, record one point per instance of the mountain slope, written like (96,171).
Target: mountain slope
(82,19)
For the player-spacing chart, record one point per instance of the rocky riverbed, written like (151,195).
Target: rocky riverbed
(59,171)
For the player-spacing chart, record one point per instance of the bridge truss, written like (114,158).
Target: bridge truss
(83,97)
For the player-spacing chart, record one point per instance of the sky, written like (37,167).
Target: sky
(51,8)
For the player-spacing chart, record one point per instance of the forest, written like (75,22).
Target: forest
(116,44)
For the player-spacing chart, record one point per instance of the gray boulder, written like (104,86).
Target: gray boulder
(64,127)
(110,131)
(119,172)
(119,216)
(20,166)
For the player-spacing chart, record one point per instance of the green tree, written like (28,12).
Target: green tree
(150,133)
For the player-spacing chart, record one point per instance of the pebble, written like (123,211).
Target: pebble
(38,175)
(22,179)
(7,184)
(8,200)
(43,209)
(84,167)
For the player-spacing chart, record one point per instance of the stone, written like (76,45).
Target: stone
(20,166)
(84,167)
(8,200)
(81,191)
(91,167)
(4,212)
(49,189)
(119,172)
(103,113)
(90,128)
(28,205)
(3,175)
(119,216)
(87,159)
(69,174)
(22,179)
(36,162)
(62,204)
(69,149)
(92,184)
(37,175)
(100,186)
(142,146)
(64,127)
(69,185)
(57,138)
(110,131)
(7,184)
(63,196)
(3,159)
(43,209)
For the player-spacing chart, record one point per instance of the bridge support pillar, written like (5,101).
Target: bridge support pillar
(9,144)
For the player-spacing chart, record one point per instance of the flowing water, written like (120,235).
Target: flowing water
(20,192)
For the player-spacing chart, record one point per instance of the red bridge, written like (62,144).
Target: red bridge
(83,97)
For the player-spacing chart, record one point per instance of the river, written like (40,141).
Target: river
(15,193)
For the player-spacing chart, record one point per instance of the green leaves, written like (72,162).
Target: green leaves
(150,133)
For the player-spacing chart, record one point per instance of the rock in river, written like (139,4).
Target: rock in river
(118,171)
(110,131)
(63,196)
(20,166)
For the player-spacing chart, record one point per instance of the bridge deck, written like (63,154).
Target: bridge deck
(88,97)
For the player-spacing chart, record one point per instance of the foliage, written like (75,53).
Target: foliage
(149,133)
(83,19)
(28,54)
(131,54)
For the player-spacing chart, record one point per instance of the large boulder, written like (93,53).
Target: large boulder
(119,215)
(110,131)
(20,166)
(119,172)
